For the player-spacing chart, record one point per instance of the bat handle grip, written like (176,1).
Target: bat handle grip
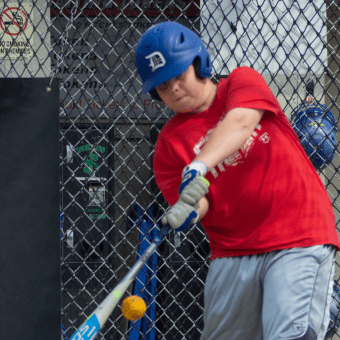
(162,233)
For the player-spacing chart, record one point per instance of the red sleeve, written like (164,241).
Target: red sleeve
(245,87)
(168,170)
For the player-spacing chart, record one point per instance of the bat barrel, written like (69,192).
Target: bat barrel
(104,310)
(96,321)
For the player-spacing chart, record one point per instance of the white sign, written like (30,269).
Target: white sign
(16,32)
(268,35)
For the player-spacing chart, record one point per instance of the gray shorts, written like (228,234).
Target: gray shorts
(283,294)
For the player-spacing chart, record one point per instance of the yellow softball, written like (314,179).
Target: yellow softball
(133,307)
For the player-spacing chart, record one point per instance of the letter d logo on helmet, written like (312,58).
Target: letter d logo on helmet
(156,60)
(167,50)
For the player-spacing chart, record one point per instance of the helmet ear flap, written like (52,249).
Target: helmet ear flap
(154,95)
(197,67)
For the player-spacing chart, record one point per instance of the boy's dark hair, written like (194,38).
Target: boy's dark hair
(197,65)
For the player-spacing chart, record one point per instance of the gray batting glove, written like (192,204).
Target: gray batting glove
(181,216)
(193,186)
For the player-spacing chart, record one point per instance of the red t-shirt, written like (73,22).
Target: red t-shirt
(265,197)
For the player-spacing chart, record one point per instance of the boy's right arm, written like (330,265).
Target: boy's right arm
(203,207)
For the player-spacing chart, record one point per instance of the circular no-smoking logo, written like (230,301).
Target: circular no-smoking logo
(13,21)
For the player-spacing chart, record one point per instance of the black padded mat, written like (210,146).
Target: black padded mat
(29,203)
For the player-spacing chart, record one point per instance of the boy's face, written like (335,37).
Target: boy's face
(186,93)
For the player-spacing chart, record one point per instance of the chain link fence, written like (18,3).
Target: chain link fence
(110,204)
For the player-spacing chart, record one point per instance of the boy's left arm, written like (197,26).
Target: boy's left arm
(227,138)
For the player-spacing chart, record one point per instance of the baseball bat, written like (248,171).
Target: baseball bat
(91,327)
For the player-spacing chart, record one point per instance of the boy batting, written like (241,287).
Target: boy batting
(266,212)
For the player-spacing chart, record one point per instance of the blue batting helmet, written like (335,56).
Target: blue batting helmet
(315,126)
(167,50)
